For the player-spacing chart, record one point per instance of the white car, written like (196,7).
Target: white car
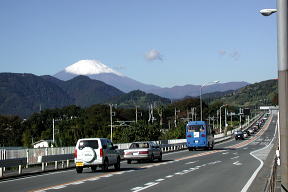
(96,152)
(143,151)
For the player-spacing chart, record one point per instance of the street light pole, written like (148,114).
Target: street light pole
(209,83)
(282,43)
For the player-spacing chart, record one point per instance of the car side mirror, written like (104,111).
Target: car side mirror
(115,147)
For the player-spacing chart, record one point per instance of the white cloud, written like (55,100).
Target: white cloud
(153,55)
(235,55)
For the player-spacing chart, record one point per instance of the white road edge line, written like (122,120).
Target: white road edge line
(249,182)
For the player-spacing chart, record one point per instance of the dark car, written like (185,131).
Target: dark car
(247,133)
(239,135)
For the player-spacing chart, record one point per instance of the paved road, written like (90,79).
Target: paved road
(226,168)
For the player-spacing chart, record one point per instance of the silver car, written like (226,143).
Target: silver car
(143,151)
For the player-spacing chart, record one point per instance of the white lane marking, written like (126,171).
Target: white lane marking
(191,162)
(142,188)
(77,183)
(150,183)
(225,153)
(214,162)
(109,175)
(249,182)
(119,173)
(237,163)
(59,187)
(93,179)
(235,153)
(245,148)
(136,188)
(235,157)
(158,180)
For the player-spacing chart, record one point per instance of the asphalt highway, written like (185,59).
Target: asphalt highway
(231,166)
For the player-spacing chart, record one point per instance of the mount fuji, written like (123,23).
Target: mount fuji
(97,70)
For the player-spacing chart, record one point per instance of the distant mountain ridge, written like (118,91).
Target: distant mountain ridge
(178,92)
(24,94)
(97,70)
(138,98)
(258,94)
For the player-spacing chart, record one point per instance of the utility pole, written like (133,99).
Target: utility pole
(175,119)
(53,140)
(240,115)
(136,114)
(225,118)
(217,119)
(111,121)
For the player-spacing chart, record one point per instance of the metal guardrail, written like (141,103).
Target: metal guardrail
(271,182)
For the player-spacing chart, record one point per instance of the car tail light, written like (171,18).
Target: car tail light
(188,135)
(75,153)
(143,152)
(203,135)
(101,152)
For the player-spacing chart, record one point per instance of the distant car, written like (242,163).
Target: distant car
(96,152)
(239,135)
(143,151)
(246,134)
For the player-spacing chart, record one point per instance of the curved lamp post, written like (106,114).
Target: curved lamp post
(282,48)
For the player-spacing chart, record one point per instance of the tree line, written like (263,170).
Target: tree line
(73,122)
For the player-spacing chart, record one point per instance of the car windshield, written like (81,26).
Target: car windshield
(139,145)
(88,143)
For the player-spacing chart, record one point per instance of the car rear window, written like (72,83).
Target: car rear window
(139,145)
(88,143)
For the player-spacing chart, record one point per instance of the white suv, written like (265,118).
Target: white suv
(96,152)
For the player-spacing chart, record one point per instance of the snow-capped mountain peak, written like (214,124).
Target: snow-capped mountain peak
(89,67)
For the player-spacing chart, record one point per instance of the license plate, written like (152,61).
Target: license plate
(79,164)
(196,141)
(135,153)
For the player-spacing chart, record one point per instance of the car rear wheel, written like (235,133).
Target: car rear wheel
(117,165)
(93,168)
(105,165)
(152,158)
(160,158)
(79,169)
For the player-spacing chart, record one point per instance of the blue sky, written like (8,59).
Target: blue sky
(196,41)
